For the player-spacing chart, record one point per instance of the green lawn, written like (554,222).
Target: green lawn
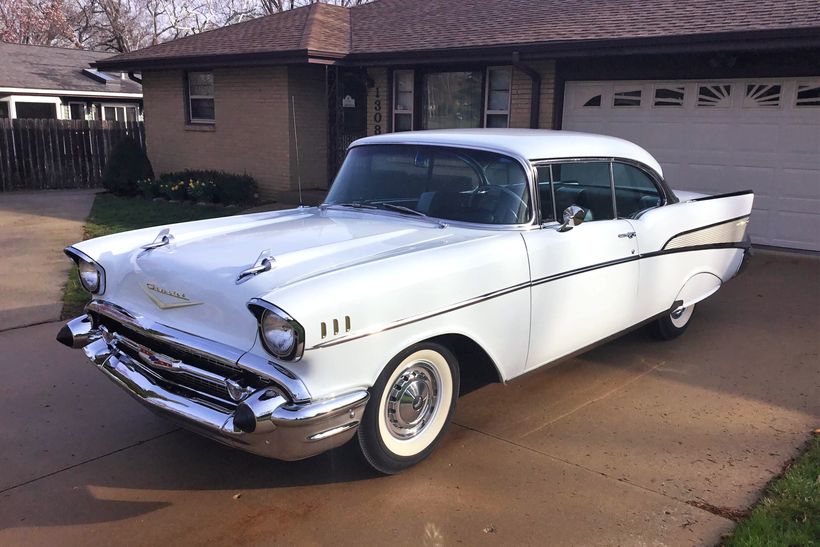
(789,512)
(111,214)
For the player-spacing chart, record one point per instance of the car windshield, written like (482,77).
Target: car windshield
(445,183)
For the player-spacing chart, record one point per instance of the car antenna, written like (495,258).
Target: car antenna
(296,145)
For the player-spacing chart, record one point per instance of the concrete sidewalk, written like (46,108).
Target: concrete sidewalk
(634,443)
(34,229)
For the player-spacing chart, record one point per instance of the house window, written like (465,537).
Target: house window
(4,110)
(201,97)
(119,113)
(451,99)
(808,95)
(36,110)
(626,96)
(403,99)
(76,111)
(497,107)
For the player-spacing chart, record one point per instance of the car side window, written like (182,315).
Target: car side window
(585,184)
(545,193)
(634,190)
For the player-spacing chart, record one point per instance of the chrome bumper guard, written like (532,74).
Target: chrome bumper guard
(267,422)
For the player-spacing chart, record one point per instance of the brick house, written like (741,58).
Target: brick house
(726,95)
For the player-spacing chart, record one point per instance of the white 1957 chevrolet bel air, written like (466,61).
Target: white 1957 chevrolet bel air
(289,333)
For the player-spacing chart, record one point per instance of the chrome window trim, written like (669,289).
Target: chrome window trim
(526,165)
(206,348)
(257,307)
(75,255)
(667,196)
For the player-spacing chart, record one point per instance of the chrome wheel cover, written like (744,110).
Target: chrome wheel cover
(681,316)
(413,400)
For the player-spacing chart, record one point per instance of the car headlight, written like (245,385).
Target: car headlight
(89,276)
(282,336)
(279,336)
(92,275)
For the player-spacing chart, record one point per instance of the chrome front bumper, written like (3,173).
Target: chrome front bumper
(266,422)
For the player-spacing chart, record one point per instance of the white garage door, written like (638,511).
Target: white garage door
(721,136)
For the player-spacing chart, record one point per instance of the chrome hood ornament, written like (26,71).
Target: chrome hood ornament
(264,263)
(163,238)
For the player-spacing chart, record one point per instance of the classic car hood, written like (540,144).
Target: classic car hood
(191,283)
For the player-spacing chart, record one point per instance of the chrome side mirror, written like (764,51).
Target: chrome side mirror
(572,216)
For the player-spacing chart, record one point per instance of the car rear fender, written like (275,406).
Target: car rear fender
(698,287)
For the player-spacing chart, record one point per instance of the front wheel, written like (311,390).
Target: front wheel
(410,407)
(673,324)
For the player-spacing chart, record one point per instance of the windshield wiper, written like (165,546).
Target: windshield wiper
(352,204)
(402,209)
(383,206)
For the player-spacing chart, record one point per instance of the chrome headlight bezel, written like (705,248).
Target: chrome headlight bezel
(261,310)
(82,259)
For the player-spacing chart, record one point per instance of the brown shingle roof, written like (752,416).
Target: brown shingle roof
(407,26)
(319,27)
(400,25)
(52,68)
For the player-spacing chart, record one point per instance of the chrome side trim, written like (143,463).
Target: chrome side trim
(203,347)
(416,318)
(501,292)
(726,231)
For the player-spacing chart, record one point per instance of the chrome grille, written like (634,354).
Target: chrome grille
(177,366)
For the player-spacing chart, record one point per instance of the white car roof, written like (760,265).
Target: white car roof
(530,144)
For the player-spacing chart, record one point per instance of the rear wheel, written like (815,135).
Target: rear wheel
(410,407)
(672,325)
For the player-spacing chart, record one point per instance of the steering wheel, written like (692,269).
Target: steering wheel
(504,208)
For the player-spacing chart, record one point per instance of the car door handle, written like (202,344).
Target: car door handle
(630,235)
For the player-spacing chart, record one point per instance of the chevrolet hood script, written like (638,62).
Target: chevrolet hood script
(166,298)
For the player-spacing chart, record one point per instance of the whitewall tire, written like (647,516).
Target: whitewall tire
(673,324)
(410,407)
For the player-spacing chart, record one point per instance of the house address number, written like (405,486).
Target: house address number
(377,114)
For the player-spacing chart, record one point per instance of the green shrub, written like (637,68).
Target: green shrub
(148,188)
(126,164)
(202,191)
(173,189)
(213,186)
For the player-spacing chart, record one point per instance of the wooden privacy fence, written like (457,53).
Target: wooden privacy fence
(49,154)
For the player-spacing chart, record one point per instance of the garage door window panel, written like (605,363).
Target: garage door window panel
(666,96)
(808,95)
(585,184)
(715,95)
(629,97)
(635,191)
(762,96)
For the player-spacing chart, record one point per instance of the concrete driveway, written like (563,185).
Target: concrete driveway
(34,229)
(634,443)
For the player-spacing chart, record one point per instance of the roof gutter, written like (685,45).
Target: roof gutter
(535,94)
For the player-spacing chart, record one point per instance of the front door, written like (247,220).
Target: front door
(585,280)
